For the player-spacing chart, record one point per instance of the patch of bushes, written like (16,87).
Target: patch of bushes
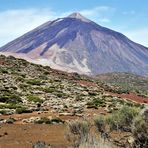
(34,82)
(100,123)
(49,89)
(10,98)
(34,99)
(92,93)
(23,110)
(41,144)
(9,106)
(57,120)
(45,120)
(123,118)
(81,135)
(95,103)
(4,71)
(78,132)
(3,112)
(10,120)
(140,130)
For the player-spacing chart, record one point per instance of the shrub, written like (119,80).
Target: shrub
(95,103)
(3,112)
(10,120)
(57,120)
(81,135)
(23,110)
(4,71)
(10,106)
(123,118)
(10,98)
(78,132)
(140,130)
(100,124)
(34,82)
(41,144)
(43,120)
(35,99)
(49,89)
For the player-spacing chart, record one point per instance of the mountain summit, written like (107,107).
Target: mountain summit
(77,15)
(76,44)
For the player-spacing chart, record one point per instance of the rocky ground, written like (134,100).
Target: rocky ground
(32,94)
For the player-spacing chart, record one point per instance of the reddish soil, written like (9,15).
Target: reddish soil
(132,97)
(2,62)
(23,136)
(86,83)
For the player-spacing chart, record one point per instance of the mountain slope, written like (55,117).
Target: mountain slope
(127,82)
(76,44)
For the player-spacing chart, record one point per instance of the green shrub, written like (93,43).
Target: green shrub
(35,99)
(80,128)
(57,120)
(3,112)
(95,103)
(49,89)
(100,123)
(41,144)
(140,130)
(10,106)
(123,118)
(59,95)
(78,132)
(10,120)
(43,120)
(34,82)
(4,71)
(10,98)
(23,110)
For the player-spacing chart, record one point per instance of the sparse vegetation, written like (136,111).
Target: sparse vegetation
(35,99)
(140,130)
(41,144)
(78,132)
(26,88)
(23,110)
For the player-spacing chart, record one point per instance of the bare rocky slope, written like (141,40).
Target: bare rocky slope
(76,44)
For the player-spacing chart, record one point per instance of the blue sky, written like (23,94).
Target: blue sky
(129,17)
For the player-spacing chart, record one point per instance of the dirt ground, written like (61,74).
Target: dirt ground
(23,136)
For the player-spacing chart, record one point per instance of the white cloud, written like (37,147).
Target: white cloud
(139,36)
(14,23)
(100,14)
(132,12)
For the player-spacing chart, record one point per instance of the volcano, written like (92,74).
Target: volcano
(77,44)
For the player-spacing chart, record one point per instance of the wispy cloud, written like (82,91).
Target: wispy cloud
(132,12)
(100,14)
(14,23)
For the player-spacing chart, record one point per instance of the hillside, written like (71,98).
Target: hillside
(37,103)
(27,87)
(127,82)
(76,44)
